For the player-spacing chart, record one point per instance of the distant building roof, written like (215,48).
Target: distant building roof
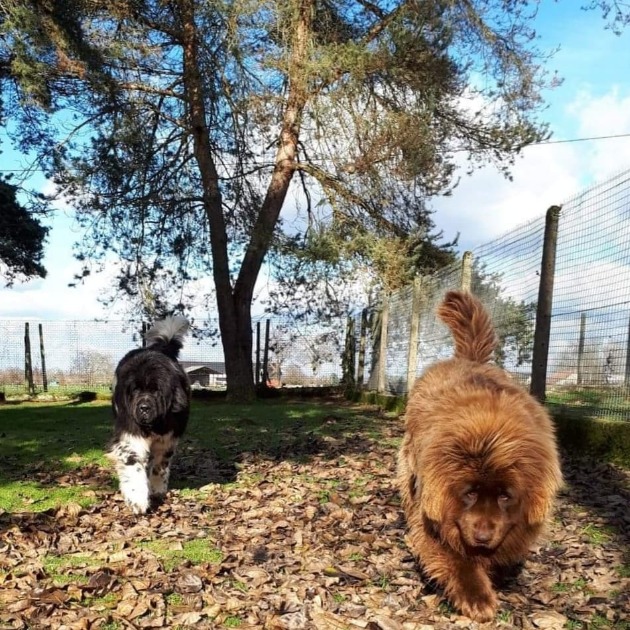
(216,367)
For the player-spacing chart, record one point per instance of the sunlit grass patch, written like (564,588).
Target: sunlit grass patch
(174,599)
(52,454)
(108,601)
(29,496)
(62,569)
(172,554)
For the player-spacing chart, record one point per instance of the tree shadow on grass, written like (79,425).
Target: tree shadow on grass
(61,445)
(294,430)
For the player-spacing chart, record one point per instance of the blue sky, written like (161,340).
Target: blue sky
(593,100)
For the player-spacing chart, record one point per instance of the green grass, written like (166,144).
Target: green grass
(599,622)
(232,622)
(580,584)
(613,403)
(103,392)
(198,551)
(623,571)
(504,616)
(43,442)
(598,535)
(59,568)
(22,496)
(174,599)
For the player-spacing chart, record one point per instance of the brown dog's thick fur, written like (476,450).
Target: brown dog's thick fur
(478,468)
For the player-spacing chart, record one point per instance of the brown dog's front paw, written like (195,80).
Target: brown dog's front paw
(479,607)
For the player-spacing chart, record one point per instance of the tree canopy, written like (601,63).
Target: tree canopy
(180,128)
(22,238)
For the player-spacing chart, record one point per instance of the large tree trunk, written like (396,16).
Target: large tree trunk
(234,305)
(234,319)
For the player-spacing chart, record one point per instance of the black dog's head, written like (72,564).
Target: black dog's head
(147,406)
(151,393)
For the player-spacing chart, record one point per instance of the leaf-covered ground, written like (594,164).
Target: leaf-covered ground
(307,534)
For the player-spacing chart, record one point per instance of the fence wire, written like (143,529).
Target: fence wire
(385,348)
(589,348)
(79,355)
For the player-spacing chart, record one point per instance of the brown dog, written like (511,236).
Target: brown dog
(478,468)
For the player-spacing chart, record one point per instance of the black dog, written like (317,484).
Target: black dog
(151,402)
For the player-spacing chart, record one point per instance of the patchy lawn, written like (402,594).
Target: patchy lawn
(283,515)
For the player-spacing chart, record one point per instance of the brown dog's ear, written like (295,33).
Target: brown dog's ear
(537,505)
(433,507)
(433,497)
(542,489)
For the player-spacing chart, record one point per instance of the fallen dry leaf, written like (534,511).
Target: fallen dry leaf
(310,537)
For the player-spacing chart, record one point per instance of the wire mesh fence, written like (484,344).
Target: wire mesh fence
(53,357)
(587,353)
(586,359)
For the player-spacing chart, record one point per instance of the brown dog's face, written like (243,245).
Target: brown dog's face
(488,509)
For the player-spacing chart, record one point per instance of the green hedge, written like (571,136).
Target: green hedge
(577,432)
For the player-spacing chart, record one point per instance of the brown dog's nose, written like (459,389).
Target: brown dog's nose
(483,533)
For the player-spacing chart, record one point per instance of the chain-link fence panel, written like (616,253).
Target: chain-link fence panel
(506,277)
(55,357)
(588,350)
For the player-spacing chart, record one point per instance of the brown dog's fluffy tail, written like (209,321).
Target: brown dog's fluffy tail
(470,325)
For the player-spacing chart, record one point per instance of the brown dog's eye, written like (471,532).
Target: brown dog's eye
(504,498)
(471,496)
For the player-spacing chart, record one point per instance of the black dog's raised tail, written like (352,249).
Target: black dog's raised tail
(470,325)
(167,335)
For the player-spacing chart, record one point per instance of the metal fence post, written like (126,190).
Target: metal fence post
(414,331)
(545,302)
(580,357)
(362,346)
(265,365)
(257,372)
(347,362)
(466,279)
(381,382)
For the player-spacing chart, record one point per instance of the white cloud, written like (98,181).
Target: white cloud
(486,205)
(53,299)
(608,114)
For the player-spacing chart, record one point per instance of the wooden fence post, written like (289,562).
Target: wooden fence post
(362,346)
(43,356)
(382,349)
(347,362)
(466,278)
(414,332)
(28,361)
(580,357)
(544,307)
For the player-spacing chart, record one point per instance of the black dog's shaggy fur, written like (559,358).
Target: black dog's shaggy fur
(151,402)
